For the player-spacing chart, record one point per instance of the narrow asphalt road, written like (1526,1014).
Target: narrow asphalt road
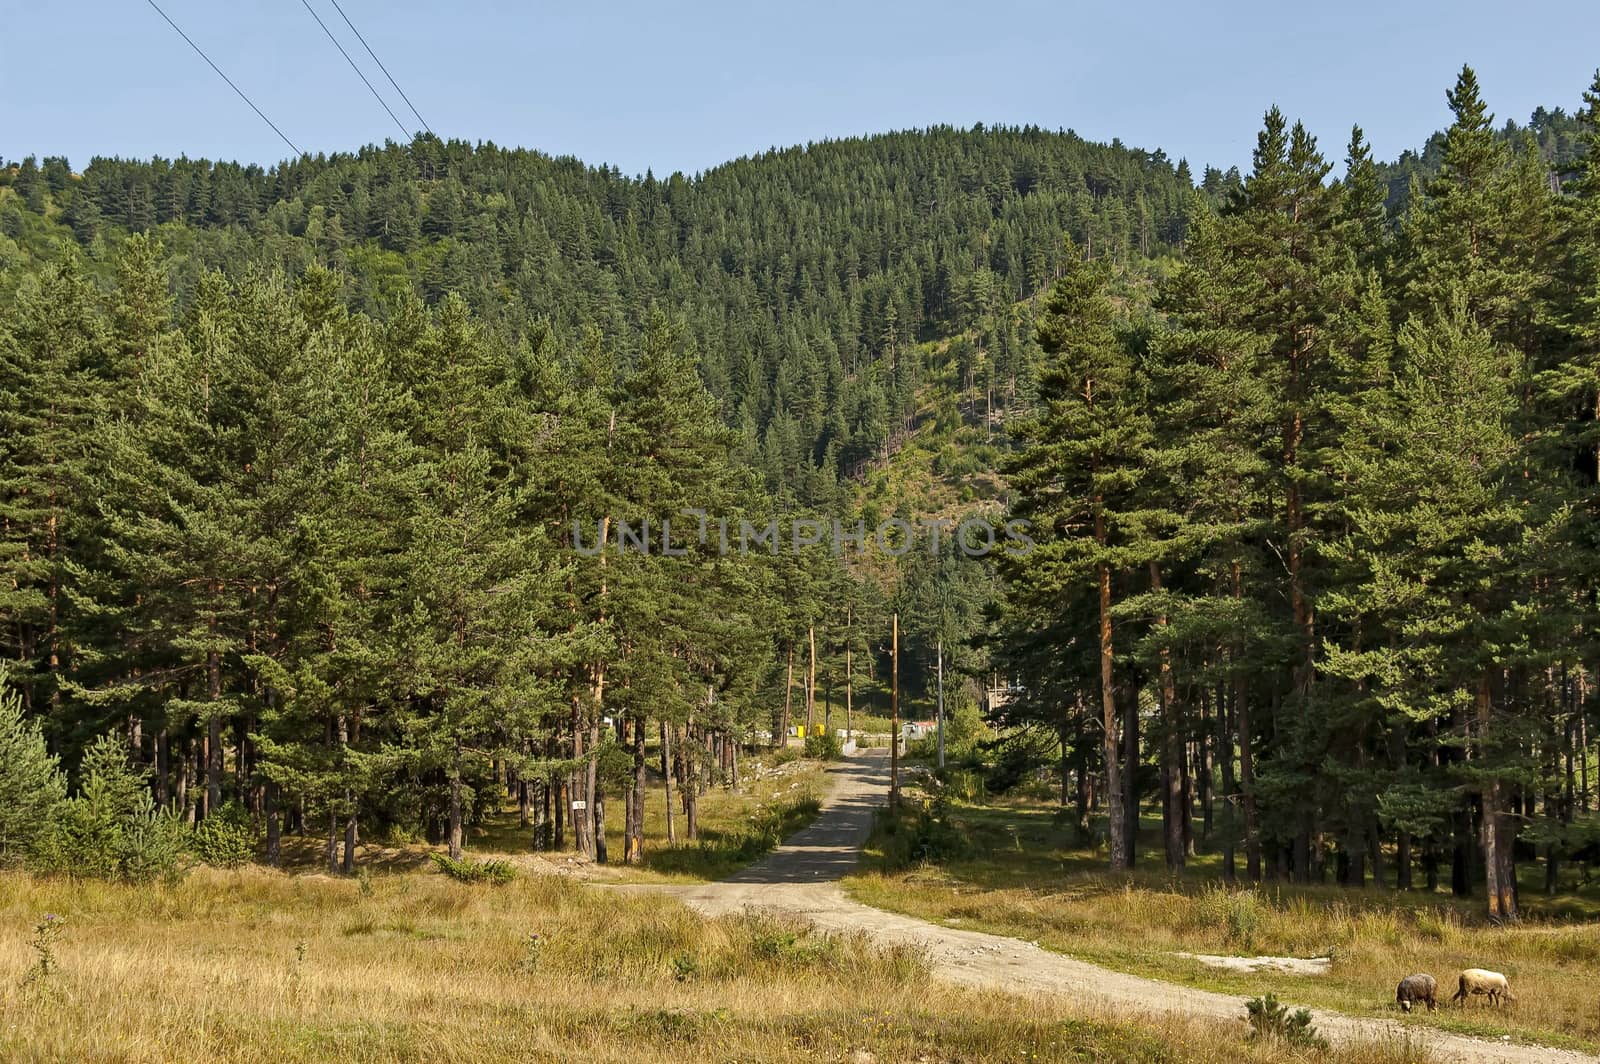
(800,878)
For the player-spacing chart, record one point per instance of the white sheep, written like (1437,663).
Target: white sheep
(1480,981)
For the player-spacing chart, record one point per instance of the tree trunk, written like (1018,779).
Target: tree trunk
(666,775)
(455,804)
(1116,826)
(633,849)
(1174,775)
(577,802)
(788,700)
(811,677)
(940,654)
(894,718)
(274,825)
(849,675)
(163,769)
(1230,795)
(1203,769)
(1130,772)
(690,783)
(1499,876)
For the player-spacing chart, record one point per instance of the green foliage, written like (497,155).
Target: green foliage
(495,872)
(226,839)
(1241,913)
(1271,1021)
(825,747)
(927,834)
(31,785)
(46,933)
(112,828)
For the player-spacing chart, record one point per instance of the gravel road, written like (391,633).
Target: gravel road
(800,878)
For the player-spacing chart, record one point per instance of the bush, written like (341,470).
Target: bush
(1271,1021)
(464,871)
(1241,913)
(964,785)
(225,839)
(31,785)
(930,836)
(824,747)
(112,829)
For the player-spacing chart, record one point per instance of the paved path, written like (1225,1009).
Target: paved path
(801,878)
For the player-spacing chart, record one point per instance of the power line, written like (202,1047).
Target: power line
(225,77)
(405,134)
(381,67)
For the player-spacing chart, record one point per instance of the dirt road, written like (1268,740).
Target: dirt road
(801,878)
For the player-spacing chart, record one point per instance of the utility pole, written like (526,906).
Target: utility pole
(940,653)
(850,639)
(894,720)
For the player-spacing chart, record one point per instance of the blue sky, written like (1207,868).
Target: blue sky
(683,86)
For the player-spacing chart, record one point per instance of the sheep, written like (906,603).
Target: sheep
(1478,981)
(1421,987)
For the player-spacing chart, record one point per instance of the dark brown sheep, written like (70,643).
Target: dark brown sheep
(1413,989)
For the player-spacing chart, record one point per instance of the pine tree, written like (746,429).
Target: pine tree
(31,785)
(1080,462)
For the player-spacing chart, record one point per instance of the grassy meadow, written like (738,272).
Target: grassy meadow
(1017,872)
(777,796)
(253,965)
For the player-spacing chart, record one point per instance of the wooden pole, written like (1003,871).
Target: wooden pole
(894,720)
(941,705)
(850,637)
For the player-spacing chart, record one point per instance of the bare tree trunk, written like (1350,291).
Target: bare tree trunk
(213,729)
(849,677)
(666,774)
(690,784)
(1116,822)
(274,825)
(894,721)
(350,825)
(188,780)
(811,677)
(455,804)
(1130,769)
(1172,806)
(1225,752)
(633,850)
(163,769)
(577,802)
(788,698)
(940,654)
(1498,872)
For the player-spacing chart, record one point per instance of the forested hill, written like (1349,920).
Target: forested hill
(803,274)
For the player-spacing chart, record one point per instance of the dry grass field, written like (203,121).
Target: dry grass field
(1021,877)
(253,965)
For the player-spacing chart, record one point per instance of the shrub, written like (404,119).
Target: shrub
(43,944)
(225,839)
(965,785)
(465,871)
(112,829)
(928,836)
(1271,1021)
(1240,913)
(824,747)
(31,785)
